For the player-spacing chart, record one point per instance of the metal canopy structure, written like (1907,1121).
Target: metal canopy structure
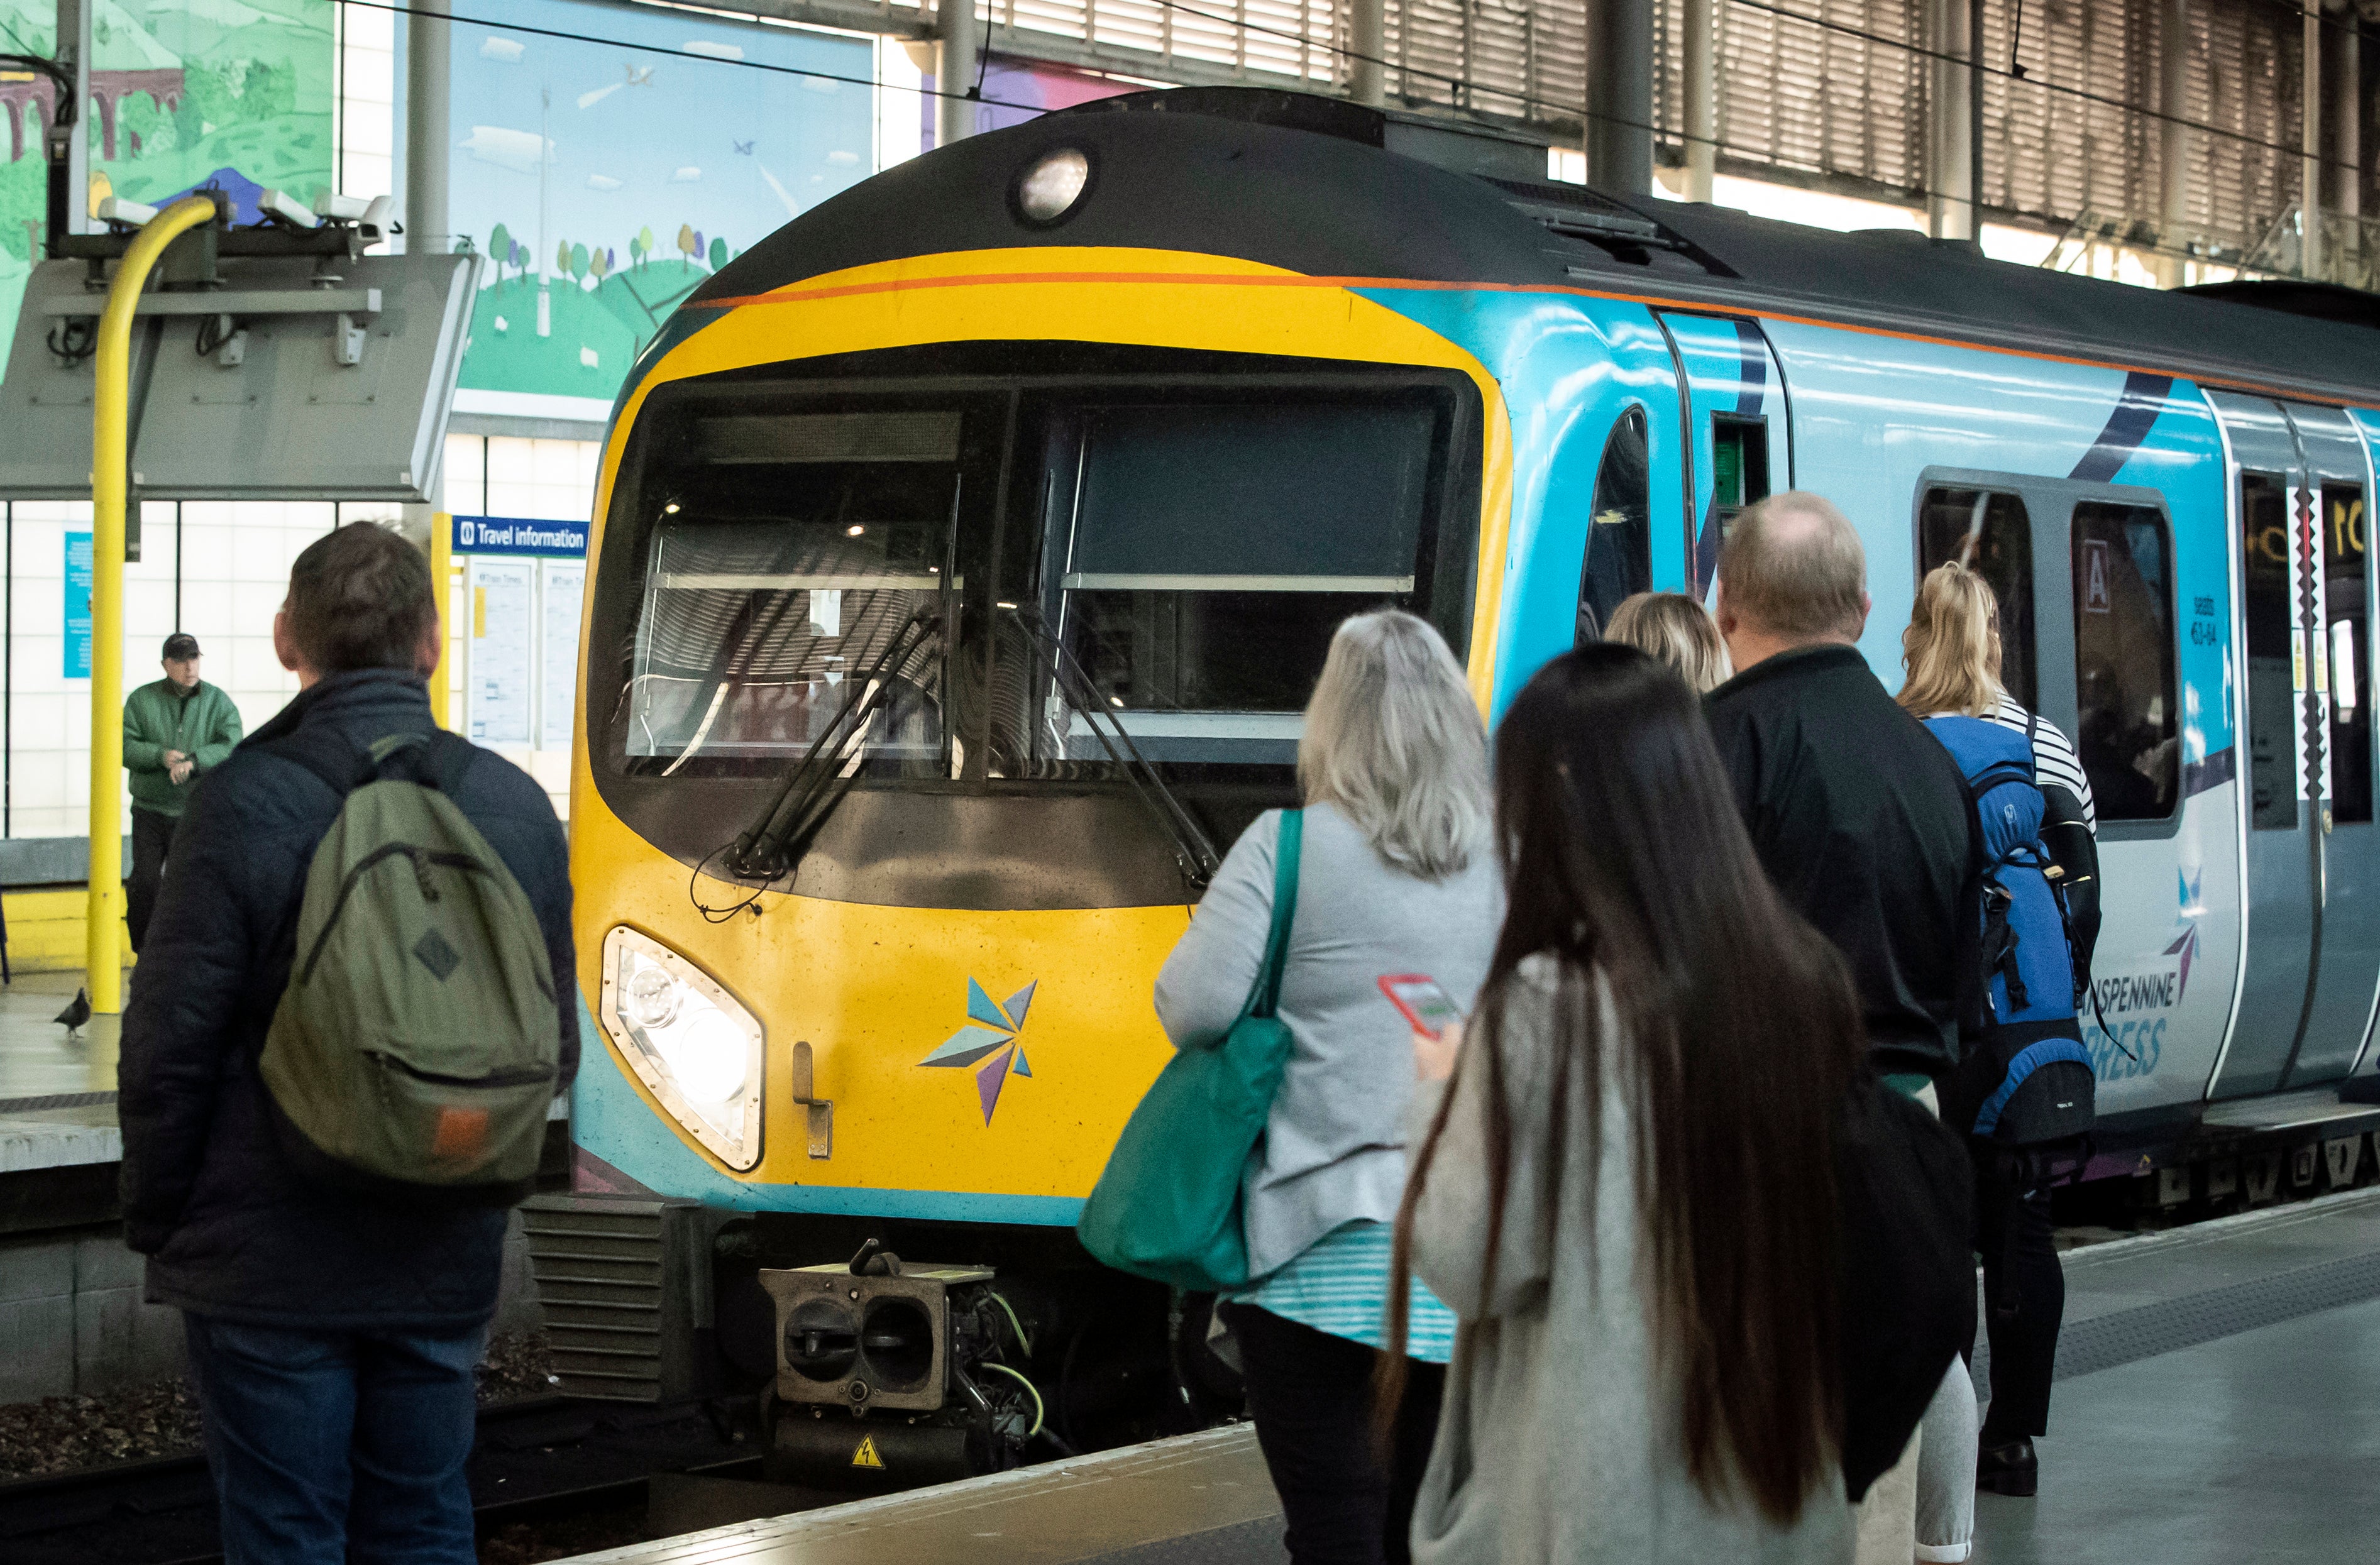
(286,382)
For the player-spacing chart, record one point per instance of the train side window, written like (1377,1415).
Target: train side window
(2124,687)
(2272,624)
(1989,533)
(2343,557)
(1739,464)
(1620,530)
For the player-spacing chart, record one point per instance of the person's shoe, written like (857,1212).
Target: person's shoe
(2009,1469)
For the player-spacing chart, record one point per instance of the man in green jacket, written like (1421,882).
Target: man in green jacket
(174,731)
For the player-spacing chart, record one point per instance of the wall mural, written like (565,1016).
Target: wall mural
(235,93)
(607,181)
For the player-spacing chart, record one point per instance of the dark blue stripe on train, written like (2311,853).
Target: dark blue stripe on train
(2136,409)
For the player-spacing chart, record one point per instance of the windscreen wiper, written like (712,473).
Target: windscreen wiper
(771,845)
(1193,853)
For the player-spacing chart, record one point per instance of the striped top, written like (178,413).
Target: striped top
(1340,1285)
(2054,759)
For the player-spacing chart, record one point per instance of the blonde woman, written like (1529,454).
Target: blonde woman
(1397,874)
(1677,631)
(1951,654)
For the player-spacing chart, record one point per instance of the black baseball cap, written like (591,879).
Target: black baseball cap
(181,644)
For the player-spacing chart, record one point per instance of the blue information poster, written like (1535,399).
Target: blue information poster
(78,659)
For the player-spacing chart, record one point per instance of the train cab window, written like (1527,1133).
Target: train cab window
(1198,557)
(2272,626)
(1738,466)
(2124,685)
(2344,587)
(785,557)
(1989,533)
(1619,561)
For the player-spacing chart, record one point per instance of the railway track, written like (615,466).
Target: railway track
(534,1460)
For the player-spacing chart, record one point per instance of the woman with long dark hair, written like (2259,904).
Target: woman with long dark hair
(1627,1190)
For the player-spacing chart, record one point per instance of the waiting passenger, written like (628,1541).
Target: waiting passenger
(1627,1191)
(1678,631)
(1858,815)
(1952,653)
(333,1337)
(175,731)
(1396,876)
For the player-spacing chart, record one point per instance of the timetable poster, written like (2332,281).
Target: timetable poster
(565,584)
(499,681)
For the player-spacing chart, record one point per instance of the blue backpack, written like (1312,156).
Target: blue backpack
(2026,1080)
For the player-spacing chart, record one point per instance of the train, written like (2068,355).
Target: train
(965,553)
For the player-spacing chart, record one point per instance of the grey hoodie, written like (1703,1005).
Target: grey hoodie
(1560,1436)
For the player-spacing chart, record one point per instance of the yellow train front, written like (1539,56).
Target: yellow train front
(965,553)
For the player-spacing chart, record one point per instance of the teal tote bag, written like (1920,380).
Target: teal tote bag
(1168,1204)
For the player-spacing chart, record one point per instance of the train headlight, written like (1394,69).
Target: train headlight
(690,1041)
(1052,185)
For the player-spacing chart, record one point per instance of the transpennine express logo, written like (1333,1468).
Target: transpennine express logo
(993,1049)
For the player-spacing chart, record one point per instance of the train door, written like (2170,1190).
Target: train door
(2347,905)
(2313,907)
(1738,414)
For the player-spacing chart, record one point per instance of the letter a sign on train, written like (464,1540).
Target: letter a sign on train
(2096,599)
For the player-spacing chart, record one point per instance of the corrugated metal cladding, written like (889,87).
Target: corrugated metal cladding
(1837,88)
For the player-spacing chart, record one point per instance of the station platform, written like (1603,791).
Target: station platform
(2218,1401)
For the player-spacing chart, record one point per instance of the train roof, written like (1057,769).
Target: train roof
(1330,189)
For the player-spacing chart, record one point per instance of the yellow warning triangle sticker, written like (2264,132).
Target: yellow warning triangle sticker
(865,1455)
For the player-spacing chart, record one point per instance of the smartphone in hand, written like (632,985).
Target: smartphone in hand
(1429,1008)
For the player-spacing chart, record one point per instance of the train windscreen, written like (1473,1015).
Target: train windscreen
(1198,557)
(788,556)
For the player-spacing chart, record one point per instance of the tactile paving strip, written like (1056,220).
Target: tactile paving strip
(2127,1336)
(55,1100)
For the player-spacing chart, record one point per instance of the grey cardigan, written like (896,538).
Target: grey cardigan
(1560,1436)
(1334,1146)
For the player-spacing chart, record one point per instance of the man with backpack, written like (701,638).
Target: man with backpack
(355,1004)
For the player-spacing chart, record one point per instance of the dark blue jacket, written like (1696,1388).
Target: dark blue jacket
(229,1229)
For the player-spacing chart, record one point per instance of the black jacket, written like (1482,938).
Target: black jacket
(230,1230)
(1862,819)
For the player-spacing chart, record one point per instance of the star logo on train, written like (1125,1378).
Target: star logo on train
(989,1043)
(2185,945)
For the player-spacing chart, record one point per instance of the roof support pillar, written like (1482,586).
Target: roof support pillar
(2343,96)
(2311,261)
(1619,97)
(1368,50)
(428,75)
(1948,144)
(1703,18)
(2173,138)
(956,68)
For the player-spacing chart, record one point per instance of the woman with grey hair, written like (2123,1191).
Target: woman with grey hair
(1396,876)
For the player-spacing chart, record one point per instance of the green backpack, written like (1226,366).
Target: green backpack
(414,1052)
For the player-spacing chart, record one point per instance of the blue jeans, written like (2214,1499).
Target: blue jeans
(338,1445)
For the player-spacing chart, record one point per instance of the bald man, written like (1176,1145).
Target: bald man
(1863,822)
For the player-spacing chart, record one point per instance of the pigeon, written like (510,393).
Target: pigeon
(77,1012)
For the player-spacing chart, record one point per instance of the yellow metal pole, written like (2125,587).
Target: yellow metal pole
(442,570)
(110,433)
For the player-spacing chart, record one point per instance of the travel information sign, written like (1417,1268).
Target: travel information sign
(519,535)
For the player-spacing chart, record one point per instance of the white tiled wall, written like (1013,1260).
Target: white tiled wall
(366,161)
